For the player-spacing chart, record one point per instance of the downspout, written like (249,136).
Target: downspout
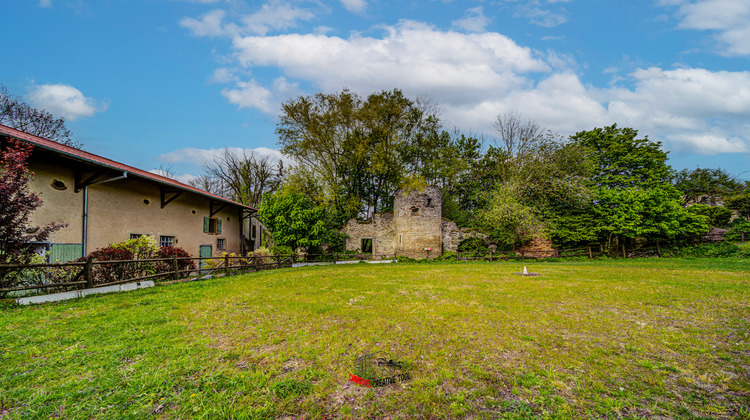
(86,209)
(242,237)
(85,220)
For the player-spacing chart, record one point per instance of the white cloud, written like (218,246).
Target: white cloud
(729,19)
(64,101)
(450,66)
(251,95)
(473,21)
(209,24)
(201,156)
(276,15)
(45,3)
(541,12)
(354,6)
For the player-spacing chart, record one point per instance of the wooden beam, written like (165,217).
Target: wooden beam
(165,200)
(214,211)
(83,184)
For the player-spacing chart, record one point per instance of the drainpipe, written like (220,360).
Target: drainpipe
(85,220)
(86,208)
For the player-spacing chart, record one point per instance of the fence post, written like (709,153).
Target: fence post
(278,261)
(334,258)
(457,252)
(490,255)
(226,264)
(175,268)
(88,273)
(523,258)
(658,250)
(255,262)
(591,254)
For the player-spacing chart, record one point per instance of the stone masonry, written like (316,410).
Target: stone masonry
(415,229)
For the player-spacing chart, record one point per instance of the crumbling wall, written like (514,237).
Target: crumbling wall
(418,222)
(379,228)
(539,246)
(453,235)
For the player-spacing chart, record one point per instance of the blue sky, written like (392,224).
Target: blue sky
(171,82)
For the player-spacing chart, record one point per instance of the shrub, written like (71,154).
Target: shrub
(174,251)
(447,256)
(106,273)
(473,245)
(282,250)
(141,248)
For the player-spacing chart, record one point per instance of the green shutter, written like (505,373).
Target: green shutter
(205,224)
(65,252)
(218,226)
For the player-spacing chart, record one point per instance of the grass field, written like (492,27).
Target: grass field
(650,338)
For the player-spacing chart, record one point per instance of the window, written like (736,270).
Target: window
(429,202)
(221,243)
(166,240)
(367,245)
(212,225)
(252,236)
(135,235)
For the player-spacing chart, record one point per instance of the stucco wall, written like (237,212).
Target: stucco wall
(116,209)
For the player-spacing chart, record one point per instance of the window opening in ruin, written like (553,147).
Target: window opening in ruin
(429,202)
(367,245)
(399,238)
(414,210)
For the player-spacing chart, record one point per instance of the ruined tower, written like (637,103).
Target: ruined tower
(417,220)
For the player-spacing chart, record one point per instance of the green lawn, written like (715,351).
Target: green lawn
(659,338)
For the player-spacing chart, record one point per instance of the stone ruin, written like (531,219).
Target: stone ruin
(415,229)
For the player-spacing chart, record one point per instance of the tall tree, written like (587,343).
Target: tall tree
(243,177)
(634,195)
(16,113)
(713,183)
(17,203)
(294,220)
(353,146)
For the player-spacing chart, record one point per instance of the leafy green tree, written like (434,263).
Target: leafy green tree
(621,160)
(705,182)
(718,216)
(361,150)
(294,219)
(633,192)
(741,202)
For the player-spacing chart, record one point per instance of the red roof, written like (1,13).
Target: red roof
(74,153)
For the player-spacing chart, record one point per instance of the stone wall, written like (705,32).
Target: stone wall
(540,246)
(380,229)
(418,222)
(453,235)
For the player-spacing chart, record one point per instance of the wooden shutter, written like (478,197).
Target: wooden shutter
(218,226)
(206,224)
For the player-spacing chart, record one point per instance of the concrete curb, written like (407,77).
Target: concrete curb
(55,297)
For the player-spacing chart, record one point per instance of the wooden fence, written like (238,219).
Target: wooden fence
(91,273)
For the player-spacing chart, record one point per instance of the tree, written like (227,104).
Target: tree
(515,134)
(741,202)
(16,113)
(242,177)
(294,220)
(354,147)
(634,195)
(714,183)
(17,203)
(622,160)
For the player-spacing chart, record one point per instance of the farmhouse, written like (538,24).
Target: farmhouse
(415,229)
(103,201)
